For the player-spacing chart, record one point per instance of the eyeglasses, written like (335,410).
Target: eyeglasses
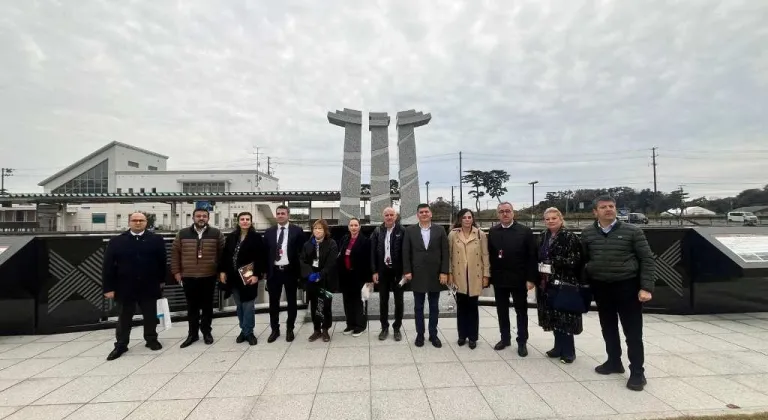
(505,211)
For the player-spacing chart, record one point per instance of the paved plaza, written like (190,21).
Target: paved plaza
(695,365)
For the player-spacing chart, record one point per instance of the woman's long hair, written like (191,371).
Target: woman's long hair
(238,229)
(461,214)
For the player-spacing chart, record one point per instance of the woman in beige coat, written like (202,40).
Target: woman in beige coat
(469,272)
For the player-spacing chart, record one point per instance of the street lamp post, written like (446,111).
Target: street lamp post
(427,184)
(533,202)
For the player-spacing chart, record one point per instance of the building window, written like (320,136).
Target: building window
(130,190)
(152,168)
(99,218)
(133,164)
(203,187)
(119,190)
(92,181)
(154,190)
(141,190)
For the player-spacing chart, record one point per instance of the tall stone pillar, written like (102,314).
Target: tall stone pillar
(352,121)
(378,123)
(407,121)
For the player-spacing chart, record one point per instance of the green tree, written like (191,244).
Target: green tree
(365,189)
(394,186)
(493,183)
(151,219)
(475,178)
(442,209)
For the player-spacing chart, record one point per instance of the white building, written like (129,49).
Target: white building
(120,168)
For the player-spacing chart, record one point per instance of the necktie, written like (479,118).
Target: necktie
(280,243)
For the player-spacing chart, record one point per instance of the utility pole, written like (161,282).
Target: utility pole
(653,159)
(461,194)
(258,167)
(453,205)
(269,166)
(4,172)
(427,184)
(533,202)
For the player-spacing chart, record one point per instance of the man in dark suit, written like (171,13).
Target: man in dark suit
(284,242)
(512,253)
(133,273)
(425,264)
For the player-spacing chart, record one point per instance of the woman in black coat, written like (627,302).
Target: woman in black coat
(354,265)
(560,259)
(318,269)
(242,265)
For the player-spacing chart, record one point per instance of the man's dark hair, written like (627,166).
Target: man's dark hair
(602,198)
(423,206)
(201,209)
(283,207)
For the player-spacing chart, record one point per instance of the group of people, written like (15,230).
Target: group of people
(610,262)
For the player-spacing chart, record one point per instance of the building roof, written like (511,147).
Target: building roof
(96,153)
(197,171)
(752,209)
(264,196)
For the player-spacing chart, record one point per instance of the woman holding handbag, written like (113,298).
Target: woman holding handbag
(318,268)
(469,273)
(354,263)
(560,296)
(242,265)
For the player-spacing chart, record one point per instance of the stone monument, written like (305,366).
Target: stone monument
(407,121)
(378,124)
(352,121)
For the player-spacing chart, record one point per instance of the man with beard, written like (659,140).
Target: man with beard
(195,256)
(387,267)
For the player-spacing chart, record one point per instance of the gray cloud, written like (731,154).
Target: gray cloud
(573,94)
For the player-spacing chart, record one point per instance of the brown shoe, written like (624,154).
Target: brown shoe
(315,335)
(326,336)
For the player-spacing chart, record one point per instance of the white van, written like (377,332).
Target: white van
(743,217)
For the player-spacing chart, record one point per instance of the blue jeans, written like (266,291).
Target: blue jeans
(434,311)
(245,314)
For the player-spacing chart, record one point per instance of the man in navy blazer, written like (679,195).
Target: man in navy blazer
(284,242)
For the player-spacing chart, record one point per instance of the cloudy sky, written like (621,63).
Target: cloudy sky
(571,93)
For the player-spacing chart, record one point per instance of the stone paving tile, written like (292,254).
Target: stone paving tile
(694,364)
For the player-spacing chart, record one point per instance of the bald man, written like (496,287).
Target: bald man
(387,267)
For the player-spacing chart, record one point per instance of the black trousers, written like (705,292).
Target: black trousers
(467,316)
(564,343)
(327,320)
(520,302)
(388,282)
(126,310)
(618,301)
(434,312)
(199,294)
(353,307)
(282,280)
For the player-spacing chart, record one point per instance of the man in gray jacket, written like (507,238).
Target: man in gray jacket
(425,264)
(620,267)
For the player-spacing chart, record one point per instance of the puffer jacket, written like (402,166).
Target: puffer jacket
(186,247)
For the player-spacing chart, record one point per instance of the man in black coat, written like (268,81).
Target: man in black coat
(284,242)
(512,253)
(387,267)
(133,274)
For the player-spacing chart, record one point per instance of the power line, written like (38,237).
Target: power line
(653,157)
(4,172)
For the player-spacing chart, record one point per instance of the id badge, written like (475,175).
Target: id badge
(348,252)
(545,268)
(200,253)
(501,253)
(280,251)
(316,263)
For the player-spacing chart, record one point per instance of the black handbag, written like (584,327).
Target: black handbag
(567,297)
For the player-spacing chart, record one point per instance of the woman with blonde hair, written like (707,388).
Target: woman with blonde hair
(561,293)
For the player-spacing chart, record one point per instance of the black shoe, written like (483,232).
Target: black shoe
(501,345)
(357,332)
(567,359)
(326,336)
(153,345)
(419,340)
(384,334)
(554,353)
(348,331)
(522,350)
(315,336)
(289,335)
(117,352)
(610,367)
(472,344)
(436,342)
(636,382)
(188,342)
(461,342)
(252,340)
(240,338)
(273,336)
(207,338)
(398,335)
